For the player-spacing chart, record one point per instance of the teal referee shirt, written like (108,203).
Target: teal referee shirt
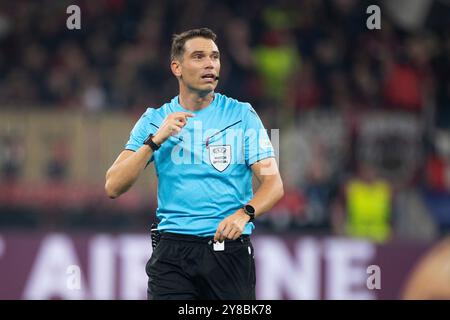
(204,172)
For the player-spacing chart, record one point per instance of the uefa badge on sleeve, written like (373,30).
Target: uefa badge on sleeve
(220,157)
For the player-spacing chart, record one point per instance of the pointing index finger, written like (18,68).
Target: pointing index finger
(183,115)
(186,114)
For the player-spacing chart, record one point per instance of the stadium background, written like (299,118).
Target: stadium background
(351,105)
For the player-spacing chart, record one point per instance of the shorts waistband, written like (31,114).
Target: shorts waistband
(196,239)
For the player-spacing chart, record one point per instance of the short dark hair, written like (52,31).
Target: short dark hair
(179,40)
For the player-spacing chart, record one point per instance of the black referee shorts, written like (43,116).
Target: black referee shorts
(185,267)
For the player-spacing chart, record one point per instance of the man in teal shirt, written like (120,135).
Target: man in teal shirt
(205,147)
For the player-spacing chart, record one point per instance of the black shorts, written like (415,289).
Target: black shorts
(186,267)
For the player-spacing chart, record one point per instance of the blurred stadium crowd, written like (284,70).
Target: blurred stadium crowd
(363,115)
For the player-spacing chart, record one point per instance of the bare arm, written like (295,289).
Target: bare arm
(268,194)
(271,188)
(125,170)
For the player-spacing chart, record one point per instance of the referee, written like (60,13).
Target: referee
(205,147)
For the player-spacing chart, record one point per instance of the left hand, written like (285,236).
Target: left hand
(232,226)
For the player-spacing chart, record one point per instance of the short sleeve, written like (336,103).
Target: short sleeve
(141,131)
(257,142)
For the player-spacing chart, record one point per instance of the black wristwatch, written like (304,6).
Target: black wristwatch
(250,211)
(150,143)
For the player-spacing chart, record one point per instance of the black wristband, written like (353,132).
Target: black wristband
(150,143)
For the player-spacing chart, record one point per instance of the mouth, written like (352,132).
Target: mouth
(209,77)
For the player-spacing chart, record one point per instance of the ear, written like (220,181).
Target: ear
(175,66)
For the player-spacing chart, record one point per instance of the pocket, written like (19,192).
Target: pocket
(219,134)
(148,264)
(156,255)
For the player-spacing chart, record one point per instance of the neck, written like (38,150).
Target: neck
(194,100)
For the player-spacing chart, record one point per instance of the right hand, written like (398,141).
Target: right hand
(171,125)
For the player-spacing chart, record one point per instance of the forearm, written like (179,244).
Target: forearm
(122,175)
(267,195)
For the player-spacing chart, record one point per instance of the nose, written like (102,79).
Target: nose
(209,64)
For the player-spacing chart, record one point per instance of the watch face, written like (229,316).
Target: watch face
(250,209)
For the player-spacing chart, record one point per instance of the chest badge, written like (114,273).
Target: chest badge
(220,156)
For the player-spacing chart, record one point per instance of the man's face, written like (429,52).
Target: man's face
(200,64)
